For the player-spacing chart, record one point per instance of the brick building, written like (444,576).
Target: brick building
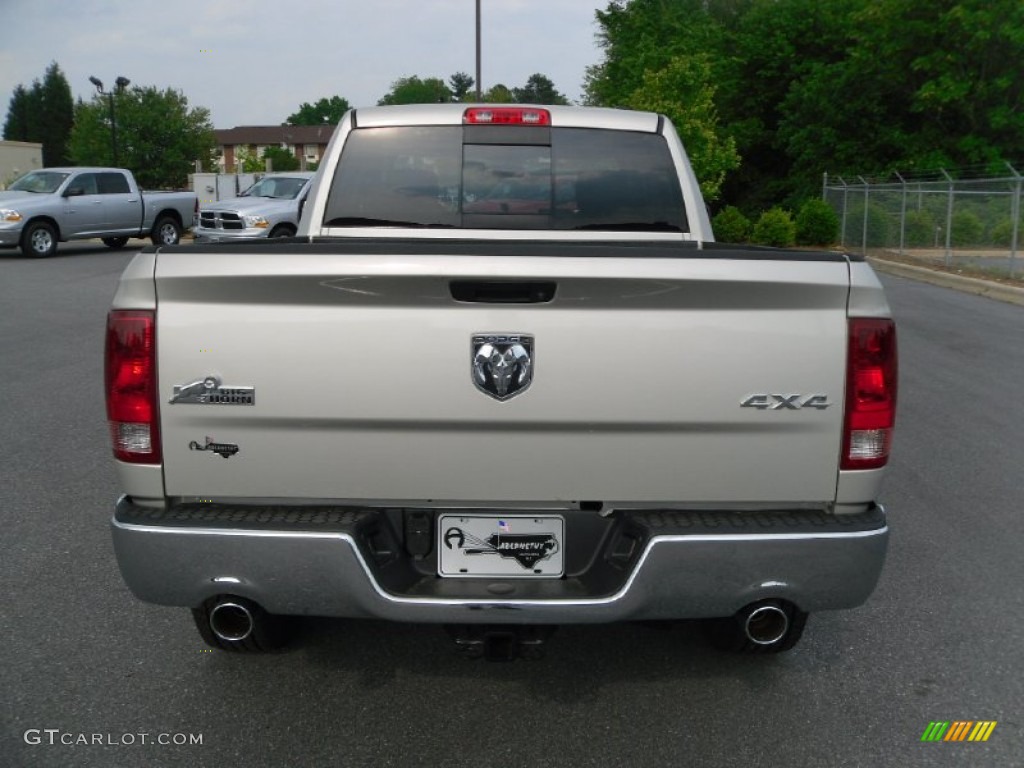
(306,142)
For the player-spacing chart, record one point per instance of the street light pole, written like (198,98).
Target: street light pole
(121,83)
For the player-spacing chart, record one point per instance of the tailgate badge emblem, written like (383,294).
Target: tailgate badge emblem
(209,391)
(227,450)
(502,363)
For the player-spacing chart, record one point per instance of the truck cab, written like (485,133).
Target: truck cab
(271,207)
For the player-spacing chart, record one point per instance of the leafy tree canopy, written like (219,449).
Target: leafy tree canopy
(323,111)
(461,85)
(539,90)
(281,159)
(18,125)
(804,86)
(499,94)
(682,91)
(413,90)
(43,114)
(159,137)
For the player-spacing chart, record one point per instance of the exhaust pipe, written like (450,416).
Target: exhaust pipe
(231,622)
(766,624)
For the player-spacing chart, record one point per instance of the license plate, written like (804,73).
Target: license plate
(512,546)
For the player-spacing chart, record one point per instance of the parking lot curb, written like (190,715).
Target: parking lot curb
(987,288)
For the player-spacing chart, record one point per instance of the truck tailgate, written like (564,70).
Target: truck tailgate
(361,369)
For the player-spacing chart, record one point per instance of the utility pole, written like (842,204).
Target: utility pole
(478,86)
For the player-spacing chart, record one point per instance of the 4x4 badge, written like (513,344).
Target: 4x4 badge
(501,364)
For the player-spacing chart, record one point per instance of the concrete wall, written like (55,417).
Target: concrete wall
(211,187)
(18,158)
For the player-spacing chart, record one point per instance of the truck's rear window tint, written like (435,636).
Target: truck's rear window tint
(428,177)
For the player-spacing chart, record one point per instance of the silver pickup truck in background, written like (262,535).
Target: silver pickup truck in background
(54,205)
(506,380)
(269,208)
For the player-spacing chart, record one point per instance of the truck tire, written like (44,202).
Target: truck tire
(771,626)
(39,240)
(166,231)
(269,632)
(113,243)
(282,230)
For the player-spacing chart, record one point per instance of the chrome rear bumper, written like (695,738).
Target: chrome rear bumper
(324,562)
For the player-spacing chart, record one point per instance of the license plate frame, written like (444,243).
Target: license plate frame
(488,545)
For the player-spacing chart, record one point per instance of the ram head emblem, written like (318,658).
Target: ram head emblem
(502,363)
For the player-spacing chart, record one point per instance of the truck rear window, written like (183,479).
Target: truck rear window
(498,178)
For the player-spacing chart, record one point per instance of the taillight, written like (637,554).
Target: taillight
(131,386)
(870,393)
(506,116)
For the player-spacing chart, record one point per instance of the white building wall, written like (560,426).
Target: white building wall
(18,158)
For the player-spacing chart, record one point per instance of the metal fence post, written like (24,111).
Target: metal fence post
(903,212)
(864,238)
(949,218)
(1015,214)
(842,234)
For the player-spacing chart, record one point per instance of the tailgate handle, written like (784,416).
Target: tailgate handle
(503,292)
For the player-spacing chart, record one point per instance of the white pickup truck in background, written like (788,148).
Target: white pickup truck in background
(269,208)
(507,380)
(54,205)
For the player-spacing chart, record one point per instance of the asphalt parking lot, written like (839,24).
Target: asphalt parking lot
(941,639)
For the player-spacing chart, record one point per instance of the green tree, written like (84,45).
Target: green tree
(638,36)
(56,116)
(281,159)
(499,94)
(730,225)
(413,90)
(43,114)
(461,84)
(1002,232)
(919,229)
(683,92)
(773,49)
(816,223)
(775,227)
(17,126)
(248,161)
(539,89)
(323,111)
(958,96)
(847,86)
(902,84)
(968,229)
(159,136)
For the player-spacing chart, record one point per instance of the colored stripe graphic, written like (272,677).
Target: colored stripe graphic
(982,730)
(958,730)
(935,731)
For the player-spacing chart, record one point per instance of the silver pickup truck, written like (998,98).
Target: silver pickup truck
(269,208)
(53,205)
(507,381)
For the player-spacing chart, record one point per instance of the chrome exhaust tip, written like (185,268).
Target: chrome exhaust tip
(766,624)
(231,622)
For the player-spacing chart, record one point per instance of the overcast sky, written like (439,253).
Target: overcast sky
(253,62)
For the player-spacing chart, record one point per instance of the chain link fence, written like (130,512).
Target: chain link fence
(974,225)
